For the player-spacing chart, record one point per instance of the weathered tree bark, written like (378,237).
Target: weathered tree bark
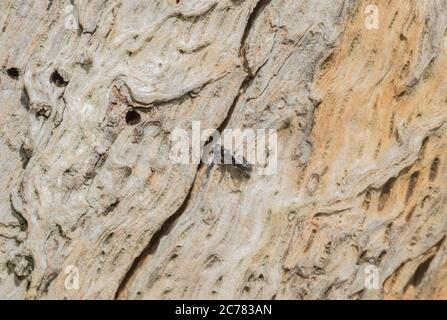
(91,90)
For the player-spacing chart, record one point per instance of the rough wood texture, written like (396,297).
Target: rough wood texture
(361,118)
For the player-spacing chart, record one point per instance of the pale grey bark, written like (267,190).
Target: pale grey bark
(360,116)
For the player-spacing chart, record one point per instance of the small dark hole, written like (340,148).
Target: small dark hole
(24,99)
(13,73)
(58,80)
(434,169)
(132,117)
(420,272)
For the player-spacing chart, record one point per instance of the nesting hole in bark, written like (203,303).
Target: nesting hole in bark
(386,193)
(412,185)
(132,117)
(13,73)
(58,80)
(420,272)
(24,99)
(434,169)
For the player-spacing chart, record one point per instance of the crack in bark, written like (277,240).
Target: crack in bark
(154,242)
(258,9)
(260,6)
(168,224)
(297,43)
(435,248)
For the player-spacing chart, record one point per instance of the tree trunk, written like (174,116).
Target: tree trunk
(92,204)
